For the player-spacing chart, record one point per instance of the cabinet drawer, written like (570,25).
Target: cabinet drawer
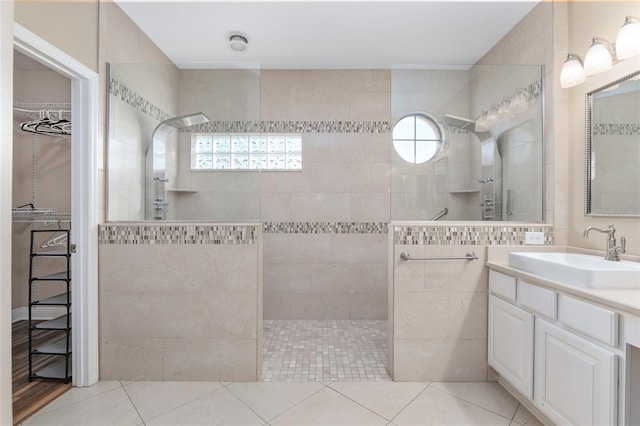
(502,285)
(590,320)
(538,299)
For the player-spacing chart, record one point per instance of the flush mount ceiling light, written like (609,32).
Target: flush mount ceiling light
(238,42)
(600,57)
(572,72)
(628,40)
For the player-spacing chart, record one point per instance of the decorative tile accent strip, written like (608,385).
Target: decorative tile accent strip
(290,127)
(468,235)
(616,129)
(177,234)
(450,130)
(325,227)
(127,95)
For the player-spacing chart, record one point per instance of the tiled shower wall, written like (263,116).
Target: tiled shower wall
(325,249)
(327,271)
(170,293)
(439,321)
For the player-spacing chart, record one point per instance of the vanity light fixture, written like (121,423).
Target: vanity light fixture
(238,42)
(628,40)
(600,57)
(572,72)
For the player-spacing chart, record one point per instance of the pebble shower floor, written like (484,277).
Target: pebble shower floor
(314,350)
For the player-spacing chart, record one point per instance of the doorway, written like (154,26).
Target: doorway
(84,203)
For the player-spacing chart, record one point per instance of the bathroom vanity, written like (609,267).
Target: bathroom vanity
(569,353)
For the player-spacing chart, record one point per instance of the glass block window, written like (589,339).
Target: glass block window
(246,151)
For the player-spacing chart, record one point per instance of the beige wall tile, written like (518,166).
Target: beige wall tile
(130,358)
(421,315)
(370,207)
(287,277)
(225,315)
(296,248)
(276,306)
(368,306)
(467,315)
(210,360)
(319,306)
(320,207)
(358,248)
(440,360)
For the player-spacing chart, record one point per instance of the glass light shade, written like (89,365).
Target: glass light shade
(572,72)
(598,58)
(628,40)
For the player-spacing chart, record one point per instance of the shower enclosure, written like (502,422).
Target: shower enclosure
(490,165)
(323,210)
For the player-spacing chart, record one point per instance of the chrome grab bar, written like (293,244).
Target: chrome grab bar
(442,213)
(469,256)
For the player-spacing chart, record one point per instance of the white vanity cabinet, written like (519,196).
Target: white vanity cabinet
(556,350)
(575,380)
(511,344)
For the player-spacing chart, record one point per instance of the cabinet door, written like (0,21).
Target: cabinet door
(511,344)
(575,380)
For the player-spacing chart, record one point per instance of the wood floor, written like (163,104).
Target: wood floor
(29,397)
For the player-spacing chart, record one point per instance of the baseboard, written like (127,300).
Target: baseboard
(525,401)
(39,313)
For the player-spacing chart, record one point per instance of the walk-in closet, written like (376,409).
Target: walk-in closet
(41,252)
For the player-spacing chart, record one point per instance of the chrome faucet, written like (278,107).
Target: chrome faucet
(613,251)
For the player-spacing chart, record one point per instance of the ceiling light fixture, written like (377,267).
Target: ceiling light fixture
(628,40)
(572,72)
(238,42)
(599,57)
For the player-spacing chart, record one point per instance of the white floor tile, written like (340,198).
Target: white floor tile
(525,418)
(270,399)
(434,407)
(217,408)
(489,395)
(109,408)
(74,395)
(386,399)
(327,407)
(155,398)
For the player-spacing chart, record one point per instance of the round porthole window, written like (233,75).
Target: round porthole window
(417,138)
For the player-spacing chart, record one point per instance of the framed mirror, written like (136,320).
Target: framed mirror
(612,149)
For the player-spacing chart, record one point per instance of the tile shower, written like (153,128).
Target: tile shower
(320,243)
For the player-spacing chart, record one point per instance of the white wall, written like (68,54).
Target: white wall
(6,147)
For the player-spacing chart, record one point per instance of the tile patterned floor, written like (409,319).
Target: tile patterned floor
(306,350)
(356,403)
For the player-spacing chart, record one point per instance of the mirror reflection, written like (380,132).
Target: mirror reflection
(613,149)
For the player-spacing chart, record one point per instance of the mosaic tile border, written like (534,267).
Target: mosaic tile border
(178,234)
(325,227)
(290,127)
(467,235)
(616,130)
(133,99)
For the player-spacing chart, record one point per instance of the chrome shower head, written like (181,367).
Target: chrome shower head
(185,120)
(170,124)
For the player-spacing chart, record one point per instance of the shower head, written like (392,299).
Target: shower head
(185,120)
(458,122)
(464,124)
(170,124)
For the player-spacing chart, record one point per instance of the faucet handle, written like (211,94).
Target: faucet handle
(623,245)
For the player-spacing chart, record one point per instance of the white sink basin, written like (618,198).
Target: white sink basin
(581,270)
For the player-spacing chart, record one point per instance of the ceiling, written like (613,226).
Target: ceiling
(326,34)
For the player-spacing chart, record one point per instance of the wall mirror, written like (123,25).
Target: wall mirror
(612,149)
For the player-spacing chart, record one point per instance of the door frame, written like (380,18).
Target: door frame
(84,197)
